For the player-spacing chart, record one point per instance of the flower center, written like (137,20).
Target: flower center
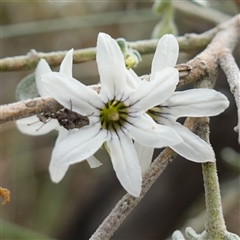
(154,112)
(113,115)
(159,113)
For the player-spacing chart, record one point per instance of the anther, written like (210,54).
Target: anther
(113,116)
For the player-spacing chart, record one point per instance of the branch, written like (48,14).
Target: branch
(203,65)
(204,13)
(208,60)
(23,109)
(128,202)
(123,208)
(215,224)
(187,43)
(232,72)
(205,68)
(30,107)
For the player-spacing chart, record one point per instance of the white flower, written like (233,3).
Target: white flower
(33,126)
(116,114)
(189,103)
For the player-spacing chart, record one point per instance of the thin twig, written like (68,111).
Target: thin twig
(106,19)
(187,43)
(231,70)
(128,202)
(201,66)
(208,60)
(30,107)
(206,14)
(23,109)
(215,224)
(205,68)
(77,22)
(113,221)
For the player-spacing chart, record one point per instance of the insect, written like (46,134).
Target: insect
(69,119)
(65,117)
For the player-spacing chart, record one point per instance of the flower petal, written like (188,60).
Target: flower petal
(57,173)
(111,66)
(78,145)
(196,103)
(144,155)
(66,65)
(193,147)
(62,133)
(71,93)
(125,163)
(93,162)
(133,80)
(145,131)
(150,94)
(166,54)
(42,68)
(33,126)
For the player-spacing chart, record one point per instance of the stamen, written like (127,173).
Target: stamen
(114,116)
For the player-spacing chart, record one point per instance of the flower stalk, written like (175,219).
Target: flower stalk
(215,225)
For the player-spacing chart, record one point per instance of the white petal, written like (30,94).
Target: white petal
(196,103)
(125,163)
(93,162)
(71,93)
(166,54)
(33,126)
(111,66)
(57,173)
(150,94)
(145,131)
(66,65)
(144,155)
(42,68)
(133,80)
(78,145)
(193,147)
(62,133)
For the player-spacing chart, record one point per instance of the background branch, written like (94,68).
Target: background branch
(187,43)
(198,68)
(23,109)
(25,159)
(30,107)
(123,208)
(231,70)
(105,19)
(205,68)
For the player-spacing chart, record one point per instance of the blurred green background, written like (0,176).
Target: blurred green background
(73,209)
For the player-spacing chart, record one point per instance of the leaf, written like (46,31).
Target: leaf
(27,88)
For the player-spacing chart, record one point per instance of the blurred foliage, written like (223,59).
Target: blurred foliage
(75,207)
(166,25)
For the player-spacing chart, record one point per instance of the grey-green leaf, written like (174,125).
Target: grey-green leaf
(27,88)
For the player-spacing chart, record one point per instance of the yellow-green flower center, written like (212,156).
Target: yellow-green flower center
(154,112)
(113,115)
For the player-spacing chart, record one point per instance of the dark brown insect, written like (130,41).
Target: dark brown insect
(69,119)
(65,117)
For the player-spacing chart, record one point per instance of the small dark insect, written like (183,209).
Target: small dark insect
(70,120)
(65,117)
